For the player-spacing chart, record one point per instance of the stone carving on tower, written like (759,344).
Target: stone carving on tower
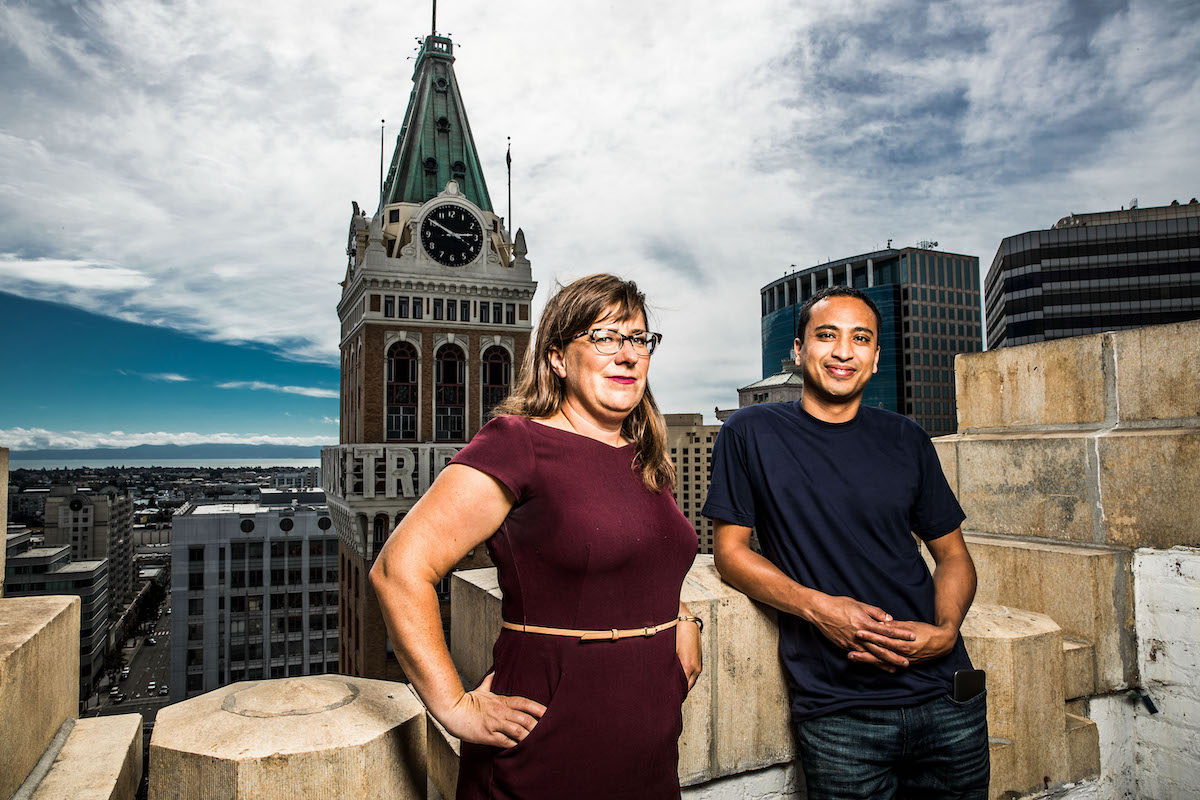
(435,317)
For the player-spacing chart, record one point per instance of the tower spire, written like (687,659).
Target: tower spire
(433,27)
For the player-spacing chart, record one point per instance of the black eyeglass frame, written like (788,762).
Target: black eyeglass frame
(652,341)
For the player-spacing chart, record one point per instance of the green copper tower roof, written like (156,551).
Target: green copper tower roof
(435,143)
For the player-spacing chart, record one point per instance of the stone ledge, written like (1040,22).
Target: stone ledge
(444,751)
(101,760)
(292,737)
(39,679)
(1086,589)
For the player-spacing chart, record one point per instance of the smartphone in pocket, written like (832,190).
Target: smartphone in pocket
(968,683)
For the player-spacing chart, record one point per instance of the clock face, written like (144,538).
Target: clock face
(451,235)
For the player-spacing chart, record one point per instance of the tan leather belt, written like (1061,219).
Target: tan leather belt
(593,636)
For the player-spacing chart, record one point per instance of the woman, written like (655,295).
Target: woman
(570,486)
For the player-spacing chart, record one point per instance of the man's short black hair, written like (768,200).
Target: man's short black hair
(805,313)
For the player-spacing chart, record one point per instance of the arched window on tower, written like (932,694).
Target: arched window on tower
(379,533)
(496,381)
(450,394)
(402,393)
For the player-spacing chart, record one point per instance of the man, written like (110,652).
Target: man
(868,638)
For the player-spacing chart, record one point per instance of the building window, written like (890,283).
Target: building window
(418,309)
(496,312)
(485,313)
(401,392)
(389,306)
(452,310)
(450,397)
(510,314)
(437,308)
(466,310)
(496,379)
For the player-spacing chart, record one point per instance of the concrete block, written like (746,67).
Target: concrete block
(1086,589)
(745,695)
(474,622)
(1150,383)
(1022,654)
(1003,757)
(292,737)
(1079,669)
(444,751)
(1034,484)
(947,450)
(1148,487)
(39,679)
(1048,383)
(1083,746)
(101,760)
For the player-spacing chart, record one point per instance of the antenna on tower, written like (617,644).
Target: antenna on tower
(381,122)
(433,26)
(508,161)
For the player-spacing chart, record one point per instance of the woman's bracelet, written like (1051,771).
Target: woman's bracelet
(699,622)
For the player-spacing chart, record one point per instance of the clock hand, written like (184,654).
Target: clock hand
(458,236)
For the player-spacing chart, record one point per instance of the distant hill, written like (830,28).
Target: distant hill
(147,452)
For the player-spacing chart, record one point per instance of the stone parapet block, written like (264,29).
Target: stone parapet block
(39,679)
(735,718)
(101,760)
(1117,487)
(475,619)
(444,750)
(292,737)
(1086,589)
(1083,747)
(1022,654)
(1116,378)
(1060,382)
(1002,754)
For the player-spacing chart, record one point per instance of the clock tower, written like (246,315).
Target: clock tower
(435,318)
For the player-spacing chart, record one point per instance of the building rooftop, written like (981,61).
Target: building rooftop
(79,567)
(778,379)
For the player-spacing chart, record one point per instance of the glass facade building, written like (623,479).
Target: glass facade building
(1096,272)
(929,301)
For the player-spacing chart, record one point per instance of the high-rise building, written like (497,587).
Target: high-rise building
(435,317)
(1096,272)
(30,570)
(96,525)
(929,301)
(254,590)
(690,443)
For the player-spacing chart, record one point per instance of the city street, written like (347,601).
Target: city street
(146,663)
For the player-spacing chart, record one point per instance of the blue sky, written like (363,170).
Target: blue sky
(189,167)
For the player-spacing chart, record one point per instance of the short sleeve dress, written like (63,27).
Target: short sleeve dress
(585,546)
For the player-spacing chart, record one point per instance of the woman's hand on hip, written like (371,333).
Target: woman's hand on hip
(687,647)
(482,717)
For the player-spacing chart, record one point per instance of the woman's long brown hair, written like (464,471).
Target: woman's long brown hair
(540,393)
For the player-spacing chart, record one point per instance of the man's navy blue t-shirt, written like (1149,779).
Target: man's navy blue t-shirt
(833,505)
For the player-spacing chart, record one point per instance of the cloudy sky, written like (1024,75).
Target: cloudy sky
(176,178)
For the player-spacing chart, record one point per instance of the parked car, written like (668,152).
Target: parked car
(118,699)
(151,686)
(163,691)
(150,642)
(114,691)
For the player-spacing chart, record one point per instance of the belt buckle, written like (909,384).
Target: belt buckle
(649,631)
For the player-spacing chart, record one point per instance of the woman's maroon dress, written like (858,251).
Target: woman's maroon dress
(585,546)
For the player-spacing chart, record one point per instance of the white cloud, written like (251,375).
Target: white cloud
(170,377)
(41,439)
(329,421)
(307,391)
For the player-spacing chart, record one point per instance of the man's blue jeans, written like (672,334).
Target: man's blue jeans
(937,750)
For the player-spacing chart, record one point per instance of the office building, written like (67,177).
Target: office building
(929,301)
(96,525)
(309,478)
(254,592)
(435,317)
(31,570)
(1096,272)
(690,443)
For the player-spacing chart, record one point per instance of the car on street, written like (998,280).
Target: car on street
(163,691)
(151,686)
(118,699)
(150,642)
